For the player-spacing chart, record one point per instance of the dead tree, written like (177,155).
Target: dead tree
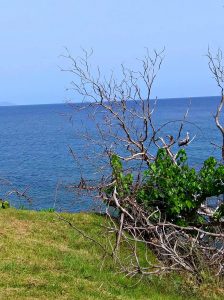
(126,105)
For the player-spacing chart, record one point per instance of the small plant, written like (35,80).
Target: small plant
(50,209)
(4,204)
(123,182)
(22,207)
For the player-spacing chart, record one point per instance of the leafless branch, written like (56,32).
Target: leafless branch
(216,67)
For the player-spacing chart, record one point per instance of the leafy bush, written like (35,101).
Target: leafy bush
(176,189)
(4,204)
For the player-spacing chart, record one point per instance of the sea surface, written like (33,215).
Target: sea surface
(35,140)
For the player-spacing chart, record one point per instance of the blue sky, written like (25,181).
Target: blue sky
(33,34)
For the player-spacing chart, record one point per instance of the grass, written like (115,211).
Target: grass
(43,258)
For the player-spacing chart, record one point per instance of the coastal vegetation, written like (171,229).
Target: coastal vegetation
(159,200)
(176,192)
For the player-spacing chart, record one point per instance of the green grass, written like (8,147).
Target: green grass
(43,258)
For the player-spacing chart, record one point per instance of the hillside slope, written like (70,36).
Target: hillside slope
(43,258)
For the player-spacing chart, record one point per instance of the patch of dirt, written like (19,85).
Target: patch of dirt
(19,227)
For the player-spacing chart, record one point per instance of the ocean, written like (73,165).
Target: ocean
(35,141)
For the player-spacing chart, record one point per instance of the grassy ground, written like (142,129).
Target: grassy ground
(43,258)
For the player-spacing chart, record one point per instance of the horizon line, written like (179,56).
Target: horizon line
(70,102)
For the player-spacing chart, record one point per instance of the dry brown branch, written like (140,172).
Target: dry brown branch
(60,217)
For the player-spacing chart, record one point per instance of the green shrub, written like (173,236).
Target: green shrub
(176,189)
(4,204)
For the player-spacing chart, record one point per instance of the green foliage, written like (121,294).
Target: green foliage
(178,190)
(123,182)
(219,214)
(22,207)
(50,209)
(4,204)
(175,188)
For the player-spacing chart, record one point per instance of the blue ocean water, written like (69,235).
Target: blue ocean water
(35,140)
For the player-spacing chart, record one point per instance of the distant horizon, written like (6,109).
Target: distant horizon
(6,104)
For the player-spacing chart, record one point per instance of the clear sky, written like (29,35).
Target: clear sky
(34,33)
